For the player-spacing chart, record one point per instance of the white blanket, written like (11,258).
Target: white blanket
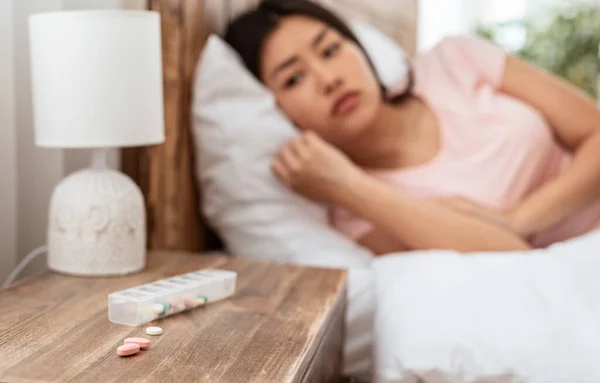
(534,315)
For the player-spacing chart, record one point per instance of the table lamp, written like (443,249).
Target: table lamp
(96,83)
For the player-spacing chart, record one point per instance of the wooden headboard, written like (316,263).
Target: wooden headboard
(165,173)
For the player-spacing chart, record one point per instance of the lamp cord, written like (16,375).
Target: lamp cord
(24,262)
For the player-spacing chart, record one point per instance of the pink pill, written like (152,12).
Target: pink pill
(128,349)
(189,302)
(142,342)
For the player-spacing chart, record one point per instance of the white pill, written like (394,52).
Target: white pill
(153,330)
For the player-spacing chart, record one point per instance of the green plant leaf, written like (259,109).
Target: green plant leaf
(565,42)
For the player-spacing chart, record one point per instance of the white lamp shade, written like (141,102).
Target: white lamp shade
(96,78)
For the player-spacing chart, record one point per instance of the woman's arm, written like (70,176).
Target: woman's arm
(318,171)
(417,223)
(576,123)
(381,242)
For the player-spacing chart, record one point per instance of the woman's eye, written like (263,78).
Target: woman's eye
(293,80)
(331,50)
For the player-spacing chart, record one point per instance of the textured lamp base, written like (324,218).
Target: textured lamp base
(97,225)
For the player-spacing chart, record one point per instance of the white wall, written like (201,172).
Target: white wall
(440,18)
(28,173)
(38,170)
(8,163)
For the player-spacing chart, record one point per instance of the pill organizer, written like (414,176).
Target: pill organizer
(144,303)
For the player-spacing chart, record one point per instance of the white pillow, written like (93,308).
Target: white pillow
(389,59)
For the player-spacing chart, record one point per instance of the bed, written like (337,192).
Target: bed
(165,173)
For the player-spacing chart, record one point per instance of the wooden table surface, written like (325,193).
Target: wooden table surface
(55,328)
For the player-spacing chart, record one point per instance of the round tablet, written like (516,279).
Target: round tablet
(142,342)
(128,349)
(153,330)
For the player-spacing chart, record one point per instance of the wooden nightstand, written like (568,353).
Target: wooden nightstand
(284,324)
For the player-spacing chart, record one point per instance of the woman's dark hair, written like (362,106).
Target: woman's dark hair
(247,33)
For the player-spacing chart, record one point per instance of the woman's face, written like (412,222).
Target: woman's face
(321,80)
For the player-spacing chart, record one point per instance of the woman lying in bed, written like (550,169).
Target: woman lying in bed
(477,150)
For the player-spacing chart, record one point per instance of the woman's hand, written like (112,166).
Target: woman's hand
(315,169)
(492,215)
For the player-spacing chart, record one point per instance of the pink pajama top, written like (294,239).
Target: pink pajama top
(494,149)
